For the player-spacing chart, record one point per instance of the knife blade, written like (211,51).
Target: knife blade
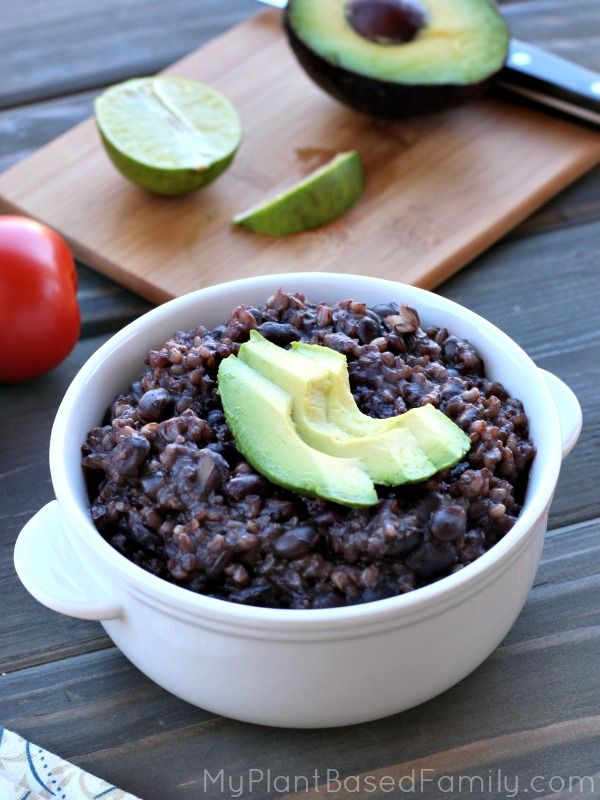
(543,77)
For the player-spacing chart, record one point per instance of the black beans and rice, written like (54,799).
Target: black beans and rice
(171,493)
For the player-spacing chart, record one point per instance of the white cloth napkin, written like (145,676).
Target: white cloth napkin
(28,772)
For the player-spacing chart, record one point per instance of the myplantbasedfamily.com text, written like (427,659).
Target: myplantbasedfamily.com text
(494,783)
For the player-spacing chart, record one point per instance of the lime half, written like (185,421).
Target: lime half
(169,135)
(321,197)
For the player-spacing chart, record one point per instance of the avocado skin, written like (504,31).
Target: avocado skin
(378,98)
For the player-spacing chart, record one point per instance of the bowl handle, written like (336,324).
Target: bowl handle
(569,411)
(52,573)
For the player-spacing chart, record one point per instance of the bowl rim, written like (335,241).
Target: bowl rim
(180,600)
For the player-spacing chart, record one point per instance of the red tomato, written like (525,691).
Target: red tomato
(39,315)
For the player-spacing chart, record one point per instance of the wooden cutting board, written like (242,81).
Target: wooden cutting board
(439,189)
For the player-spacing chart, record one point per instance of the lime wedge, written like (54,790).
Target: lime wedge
(324,195)
(169,135)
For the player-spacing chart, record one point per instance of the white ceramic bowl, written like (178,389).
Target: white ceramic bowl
(310,668)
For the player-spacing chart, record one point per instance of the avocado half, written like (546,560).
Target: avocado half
(397,58)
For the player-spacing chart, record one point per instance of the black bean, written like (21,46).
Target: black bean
(385,309)
(226,450)
(462,354)
(121,543)
(259,593)
(144,536)
(448,523)
(280,333)
(328,600)
(474,545)
(452,388)
(403,542)
(128,456)
(136,389)
(256,313)
(296,542)
(94,461)
(454,407)
(340,342)
(152,484)
(242,485)
(215,417)
(467,417)
(186,403)
(368,329)
(211,471)
(432,558)
(155,405)
(379,592)
(280,510)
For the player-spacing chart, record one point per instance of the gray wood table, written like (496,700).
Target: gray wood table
(533,708)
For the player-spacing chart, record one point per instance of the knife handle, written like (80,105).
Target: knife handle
(538,71)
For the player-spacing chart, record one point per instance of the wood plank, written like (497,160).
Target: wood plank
(510,158)
(30,633)
(99,711)
(532,709)
(43,42)
(105,307)
(556,273)
(98,684)
(578,203)
(570,30)
(543,291)
(23,130)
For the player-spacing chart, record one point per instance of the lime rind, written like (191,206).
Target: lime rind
(168,134)
(324,195)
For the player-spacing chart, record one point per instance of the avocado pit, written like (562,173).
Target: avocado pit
(386,22)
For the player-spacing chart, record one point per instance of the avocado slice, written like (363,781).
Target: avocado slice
(342,408)
(395,58)
(259,415)
(405,449)
(441,440)
(390,457)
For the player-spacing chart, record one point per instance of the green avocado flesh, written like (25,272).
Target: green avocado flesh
(443,441)
(460,41)
(389,459)
(259,415)
(310,413)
